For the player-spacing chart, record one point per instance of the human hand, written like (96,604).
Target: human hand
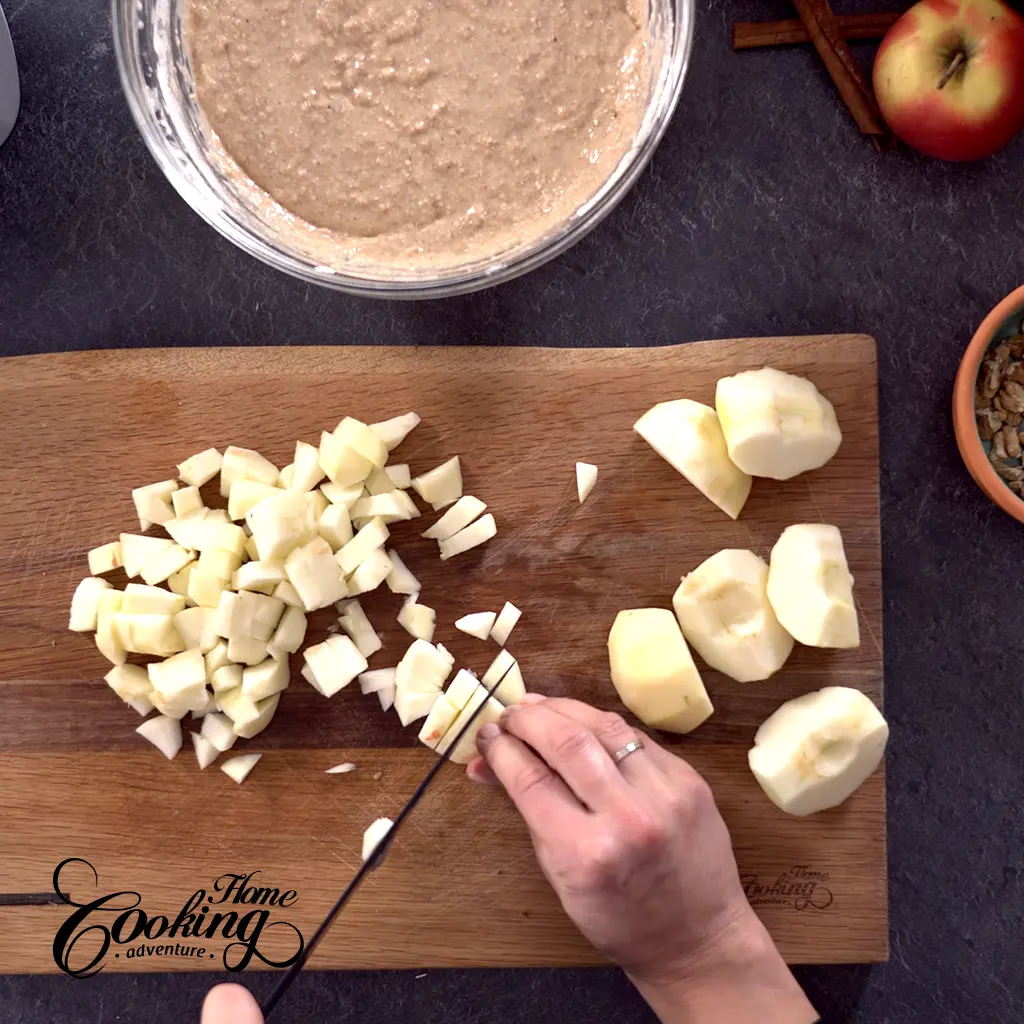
(230,1004)
(641,860)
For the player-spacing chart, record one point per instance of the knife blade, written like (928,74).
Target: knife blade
(374,859)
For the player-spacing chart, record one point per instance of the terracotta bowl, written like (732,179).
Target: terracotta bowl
(1005,321)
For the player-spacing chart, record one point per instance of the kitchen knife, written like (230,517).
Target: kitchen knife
(10,91)
(374,859)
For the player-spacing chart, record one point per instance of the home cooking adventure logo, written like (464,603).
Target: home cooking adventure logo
(236,909)
(800,888)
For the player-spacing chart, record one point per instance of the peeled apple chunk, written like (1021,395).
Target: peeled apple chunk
(238,768)
(689,437)
(776,424)
(476,624)
(85,604)
(417,620)
(653,670)
(164,733)
(817,749)
(458,517)
(442,485)
(507,619)
(394,431)
(512,689)
(200,469)
(472,536)
(206,752)
(401,580)
(810,586)
(725,614)
(586,477)
(374,834)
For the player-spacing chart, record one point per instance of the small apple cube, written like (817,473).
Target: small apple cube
(105,558)
(279,525)
(399,475)
(245,464)
(359,437)
(417,620)
(338,495)
(355,623)
(217,729)
(373,535)
(306,469)
(395,430)
(85,604)
(164,733)
(245,494)
(442,485)
(137,550)
(200,469)
(153,502)
(472,536)
(371,573)
(186,500)
(290,633)
(265,712)
(335,526)
(165,564)
(265,679)
(458,517)
(400,580)
(314,573)
(343,464)
(108,642)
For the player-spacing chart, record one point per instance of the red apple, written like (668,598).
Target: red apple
(949,77)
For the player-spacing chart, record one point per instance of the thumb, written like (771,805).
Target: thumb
(230,1004)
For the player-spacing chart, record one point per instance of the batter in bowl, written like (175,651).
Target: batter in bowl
(421,133)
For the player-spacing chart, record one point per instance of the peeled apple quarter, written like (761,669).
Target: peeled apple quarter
(689,437)
(653,670)
(816,750)
(776,424)
(725,615)
(810,586)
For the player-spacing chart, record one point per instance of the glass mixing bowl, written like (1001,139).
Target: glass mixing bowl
(152,57)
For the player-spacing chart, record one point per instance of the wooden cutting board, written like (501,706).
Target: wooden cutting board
(461,886)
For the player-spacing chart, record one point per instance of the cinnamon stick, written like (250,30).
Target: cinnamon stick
(746,35)
(823,29)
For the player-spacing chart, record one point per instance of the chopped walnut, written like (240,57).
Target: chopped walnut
(998,447)
(1011,442)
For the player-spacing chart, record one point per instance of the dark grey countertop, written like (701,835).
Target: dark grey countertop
(764,213)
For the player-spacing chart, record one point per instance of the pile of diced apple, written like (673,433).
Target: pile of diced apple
(224,596)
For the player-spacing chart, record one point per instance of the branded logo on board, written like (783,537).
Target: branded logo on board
(800,887)
(229,920)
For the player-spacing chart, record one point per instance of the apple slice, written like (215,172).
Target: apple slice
(400,580)
(164,733)
(105,558)
(314,572)
(341,769)
(85,604)
(138,550)
(724,611)
(355,623)
(206,752)
(373,535)
(465,749)
(689,437)
(153,502)
(458,517)
(245,464)
(217,728)
(289,635)
(810,586)
(395,430)
(265,679)
(371,573)
(776,424)
(586,477)
(338,495)
(472,536)
(512,689)
(442,485)
(266,709)
(417,620)
(440,719)
(238,768)
(476,624)
(653,671)
(392,506)
(399,475)
(200,469)
(816,750)
(374,835)
(186,500)
(462,689)
(506,622)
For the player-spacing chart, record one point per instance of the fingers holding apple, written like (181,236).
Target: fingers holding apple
(949,77)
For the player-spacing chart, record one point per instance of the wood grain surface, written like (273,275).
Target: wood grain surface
(461,886)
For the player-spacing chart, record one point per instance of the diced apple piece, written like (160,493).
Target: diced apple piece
(251,551)
(143,705)
(105,558)
(586,478)
(148,634)
(776,424)
(334,663)
(286,592)
(226,677)
(724,611)
(316,506)
(262,613)
(810,586)
(373,535)
(458,517)
(186,500)
(392,506)
(280,524)
(816,750)
(689,437)
(462,688)
(129,682)
(208,707)
(439,721)
(442,485)
(153,502)
(286,477)
(371,573)
(200,469)
(386,697)
(265,679)
(400,580)
(338,495)
(378,482)
(259,576)
(424,667)
(341,769)
(178,582)
(306,469)
(267,709)
(221,535)
(512,689)
(174,709)
(245,464)
(335,526)
(217,657)
(141,599)
(314,573)
(290,633)
(374,835)
(238,707)
(246,494)
(653,671)
(472,536)
(164,733)
(227,617)
(138,550)
(238,768)
(165,564)
(464,750)
(189,531)
(205,589)
(399,475)
(358,436)
(218,515)
(85,604)
(377,679)
(182,675)
(506,622)
(355,623)
(206,752)
(217,728)
(395,430)
(411,705)
(476,624)
(107,640)
(195,627)
(343,464)
(247,650)
(417,620)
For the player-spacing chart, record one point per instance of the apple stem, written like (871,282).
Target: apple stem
(952,69)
